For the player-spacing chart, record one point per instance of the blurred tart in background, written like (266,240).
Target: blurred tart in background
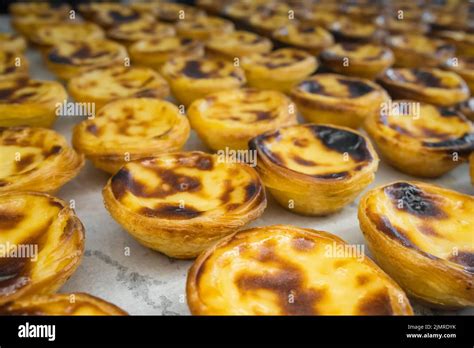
(130,32)
(11,42)
(203,27)
(304,36)
(110,14)
(279,70)
(237,44)
(13,65)
(337,99)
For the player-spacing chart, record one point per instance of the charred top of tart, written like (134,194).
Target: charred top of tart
(431,220)
(435,128)
(87,53)
(186,185)
(61,304)
(357,52)
(323,152)
(202,68)
(24,90)
(134,124)
(62,32)
(283,58)
(32,225)
(421,77)
(140,30)
(111,14)
(246,106)
(120,81)
(335,86)
(348,28)
(286,270)
(168,44)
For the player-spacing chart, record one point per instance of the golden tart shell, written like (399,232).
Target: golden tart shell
(237,44)
(128,33)
(49,237)
(304,36)
(47,36)
(288,270)
(70,58)
(101,86)
(433,86)
(360,60)
(421,235)
(72,304)
(314,169)
(279,70)
(229,119)
(129,129)
(13,65)
(426,143)
(28,24)
(12,43)
(203,27)
(337,99)
(181,203)
(36,159)
(192,79)
(412,50)
(154,53)
(29,102)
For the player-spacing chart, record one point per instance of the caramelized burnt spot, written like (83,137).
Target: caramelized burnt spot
(124,16)
(288,280)
(463,144)
(343,141)
(356,88)
(376,303)
(411,199)
(313,87)
(383,224)
(426,78)
(24,162)
(12,274)
(302,244)
(9,219)
(464,258)
(171,211)
(194,69)
(258,144)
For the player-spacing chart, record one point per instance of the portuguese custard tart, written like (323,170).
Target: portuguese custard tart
(36,159)
(75,57)
(313,14)
(192,79)
(172,12)
(347,29)
(304,36)
(13,65)
(463,41)
(464,67)
(237,44)
(338,99)
(279,70)
(129,129)
(397,26)
(412,50)
(241,11)
(110,14)
(314,169)
(12,42)
(55,35)
(229,119)
(434,86)
(44,243)
(354,59)
(100,86)
(155,52)
(182,203)
(36,7)
(425,140)
(61,304)
(203,27)
(28,24)
(130,32)
(288,270)
(266,22)
(29,102)
(421,235)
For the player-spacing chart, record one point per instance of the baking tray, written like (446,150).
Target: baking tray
(141,281)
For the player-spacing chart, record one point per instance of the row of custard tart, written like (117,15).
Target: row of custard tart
(419,234)
(53,237)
